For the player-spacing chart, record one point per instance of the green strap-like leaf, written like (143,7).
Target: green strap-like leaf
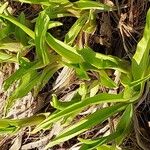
(41,27)
(124,124)
(106,147)
(42,2)
(53,24)
(3,7)
(26,67)
(23,27)
(106,80)
(27,83)
(45,76)
(102,61)
(19,33)
(10,45)
(91,5)
(4,57)
(66,51)
(75,29)
(99,98)
(62,105)
(91,24)
(57,12)
(140,60)
(81,72)
(11,126)
(85,124)
(118,135)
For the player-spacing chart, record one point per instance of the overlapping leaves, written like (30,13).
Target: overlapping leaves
(52,54)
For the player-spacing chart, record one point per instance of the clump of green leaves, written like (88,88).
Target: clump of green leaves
(53,54)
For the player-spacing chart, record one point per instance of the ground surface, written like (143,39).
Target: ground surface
(117,34)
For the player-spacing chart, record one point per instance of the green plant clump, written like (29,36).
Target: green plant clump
(52,54)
